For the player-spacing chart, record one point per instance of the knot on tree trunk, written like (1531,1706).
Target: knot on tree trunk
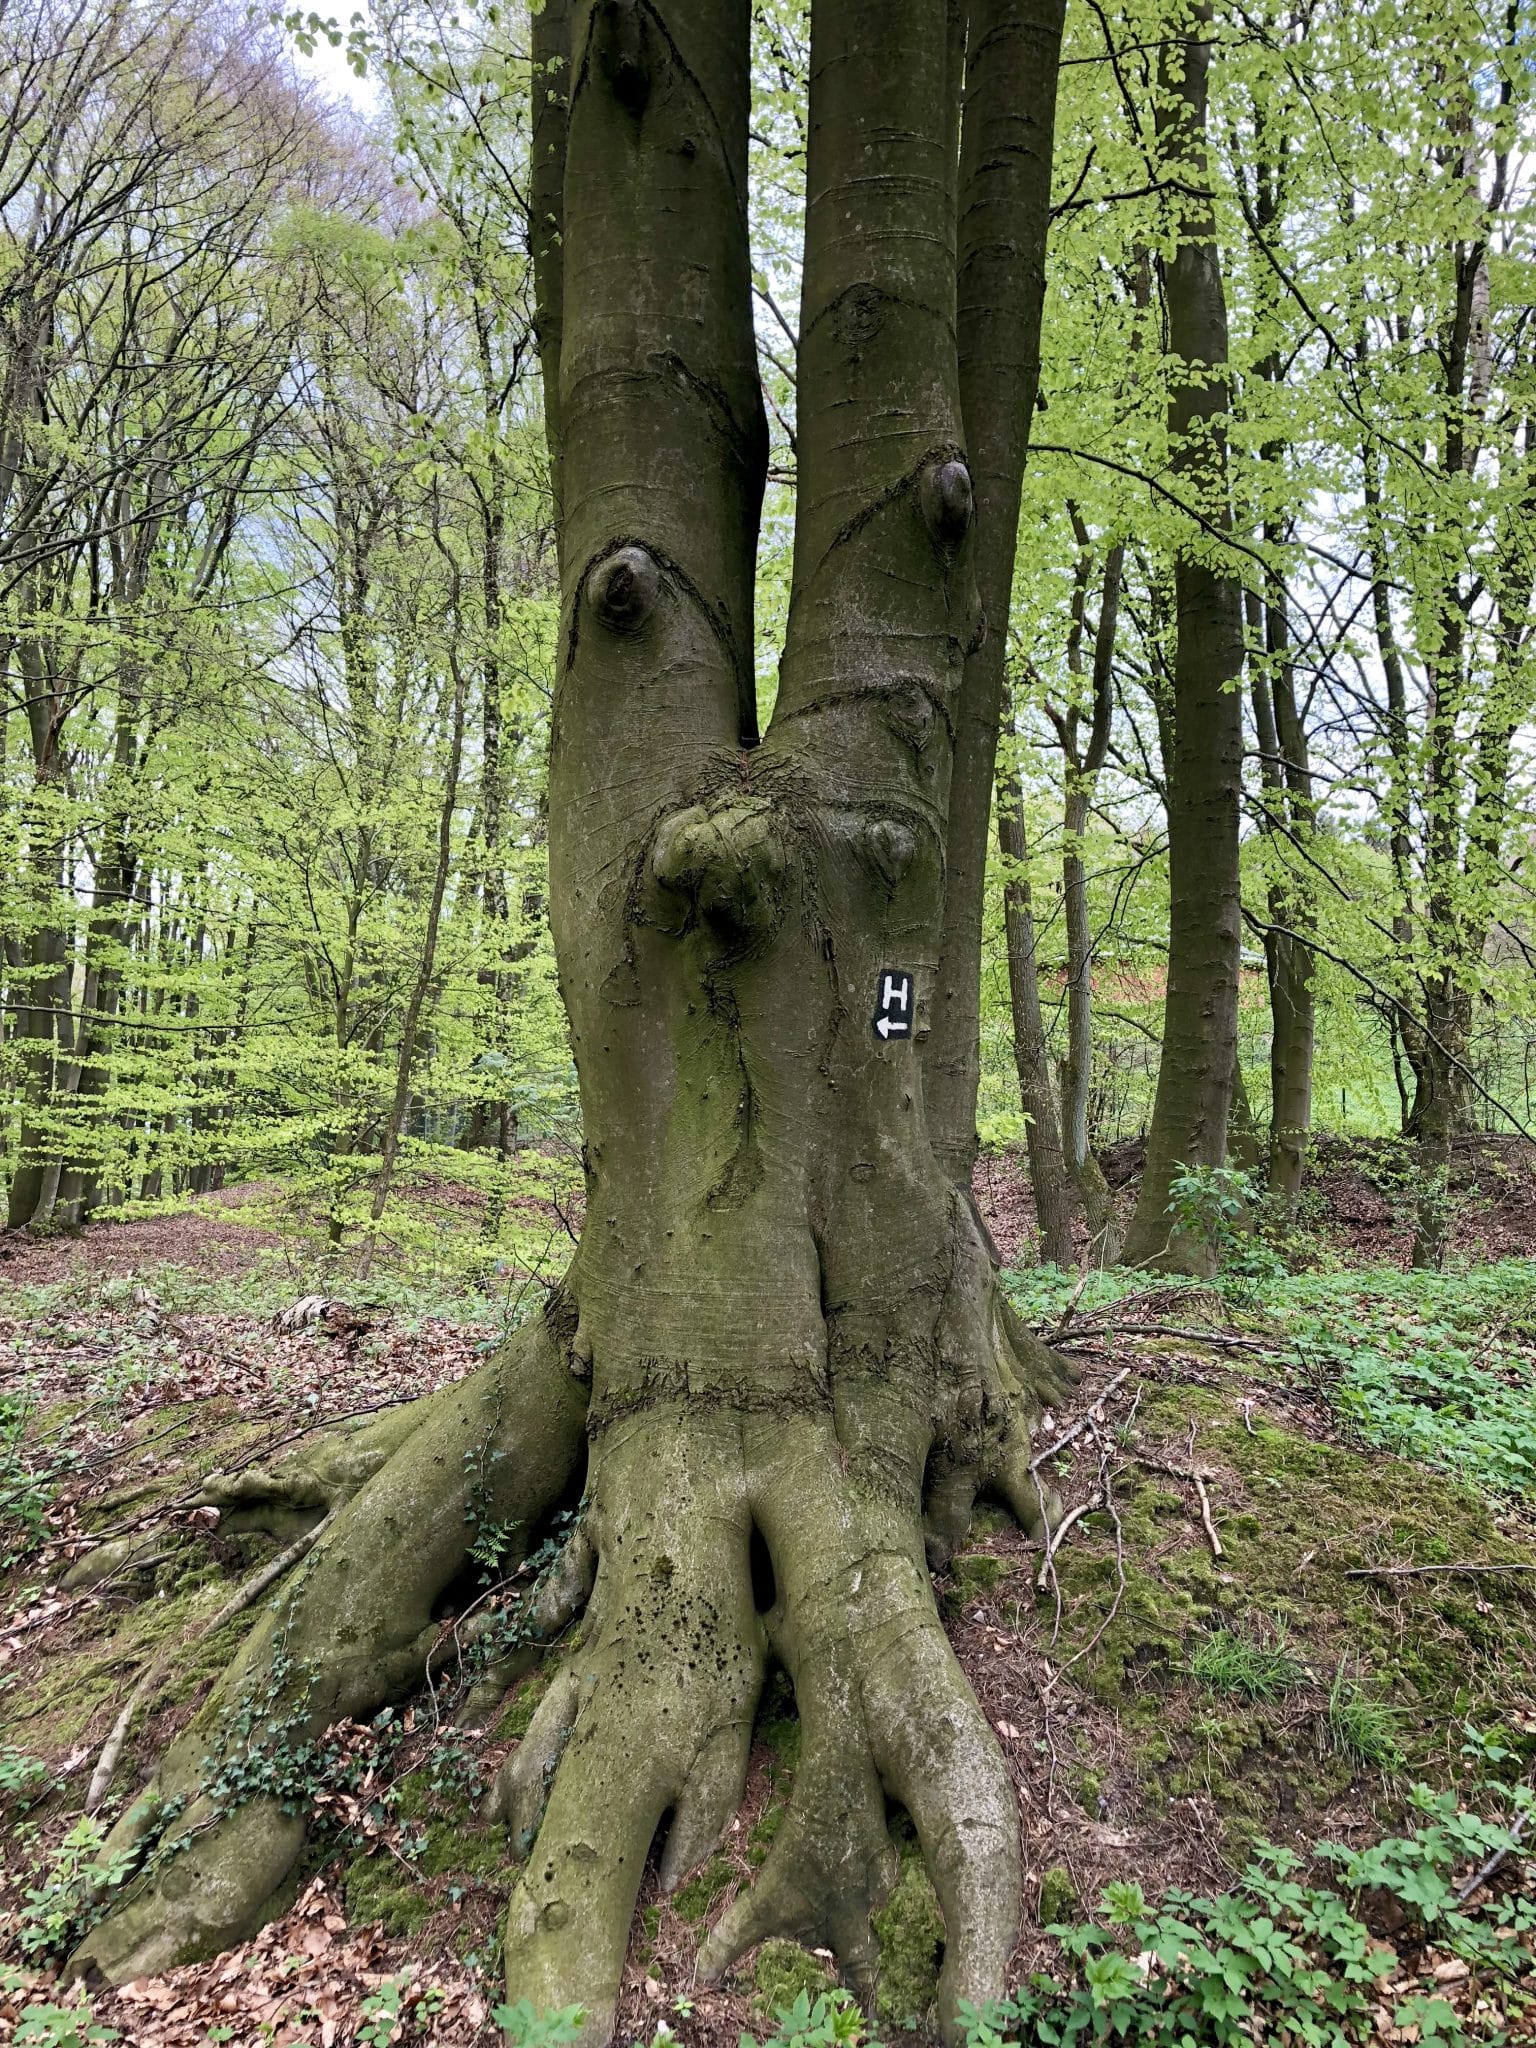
(722,868)
(618,34)
(948,502)
(622,588)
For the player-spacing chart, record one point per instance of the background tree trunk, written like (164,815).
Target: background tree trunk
(1004,215)
(1194,1082)
(1053,1190)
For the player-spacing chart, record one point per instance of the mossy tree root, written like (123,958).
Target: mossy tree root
(325,1467)
(719,1538)
(220,1828)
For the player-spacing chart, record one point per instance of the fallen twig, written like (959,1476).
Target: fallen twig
(1416,1571)
(1071,1308)
(1480,1877)
(1054,1543)
(1069,1435)
(1205,1514)
(1225,1338)
(1107,1492)
(244,1596)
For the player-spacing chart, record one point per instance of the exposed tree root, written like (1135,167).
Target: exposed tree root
(715,1532)
(350,1632)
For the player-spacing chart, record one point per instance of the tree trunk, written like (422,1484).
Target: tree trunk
(782,1322)
(427,966)
(1054,1206)
(43,985)
(1082,771)
(1194,1080)
(1288,818)
(1004,213)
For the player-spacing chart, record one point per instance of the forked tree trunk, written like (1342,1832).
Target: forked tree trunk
(782,1322)
(1194,1080)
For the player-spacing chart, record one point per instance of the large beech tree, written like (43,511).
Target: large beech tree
(779,1367)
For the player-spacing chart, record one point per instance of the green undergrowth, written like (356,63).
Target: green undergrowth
(1376,1588)
(1290,1955)
(1436,1367)
(1285,1676)
(442,1858)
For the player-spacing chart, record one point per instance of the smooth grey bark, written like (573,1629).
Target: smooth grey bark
(1288,817)
(1081,765)
(781,1325)
(1004,214)
(1204,767)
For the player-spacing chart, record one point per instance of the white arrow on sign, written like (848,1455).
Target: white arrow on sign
(893,1005)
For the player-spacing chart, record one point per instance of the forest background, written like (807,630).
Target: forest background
(278,603)
(289,1130)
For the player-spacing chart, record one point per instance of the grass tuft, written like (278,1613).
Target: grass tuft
(1234,1664)
(1361,1728)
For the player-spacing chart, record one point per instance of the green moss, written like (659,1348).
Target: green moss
(1059,1902)
(973,1576)
(517,1715)
(764,1828)
(415,1797)
(785,1969)
(696,1898)
(460,1849)
(1089,1790)
(650,1928)
(1296,1517)
(378,1891)
(910,1931)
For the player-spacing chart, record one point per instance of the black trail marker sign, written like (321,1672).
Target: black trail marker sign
(893,1004)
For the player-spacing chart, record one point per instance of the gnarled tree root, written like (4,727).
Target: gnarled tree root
(648,1724)
(714,1535)
(349,1632)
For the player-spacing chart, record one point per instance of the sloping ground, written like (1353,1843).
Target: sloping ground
(1263,1624)
(1358,1205)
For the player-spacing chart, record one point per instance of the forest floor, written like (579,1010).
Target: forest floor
(1298,1581)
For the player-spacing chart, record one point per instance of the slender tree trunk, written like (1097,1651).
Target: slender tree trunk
(426,966)
(1082,771)
(43,987)
(1054,1207)
(1194,1082)
(1004,214)
(1288,818)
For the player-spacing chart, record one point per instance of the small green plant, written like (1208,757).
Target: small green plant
(1282,1961)
(268,1751)
(60,2026)
(40,2025)
(526,2027)
(1362,1728)
(23,1778)
(382,2016)
(834,2019)
(1208,1203)
(27,1478)
(1234,1664)
(68,1894)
